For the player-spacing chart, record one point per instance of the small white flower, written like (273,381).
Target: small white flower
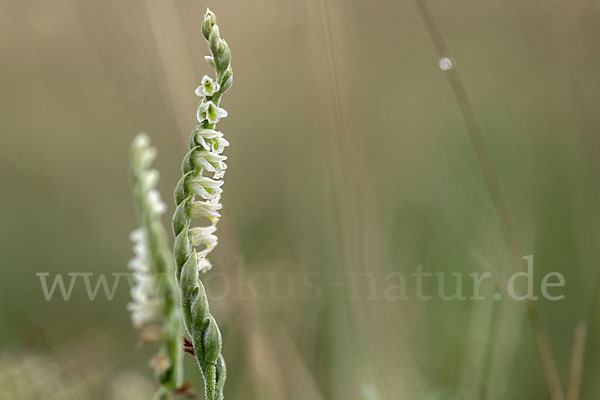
(155,202)
(211,140)
(148,179)
(207,188)
(206,182)
(144,286)
(140,261)
(139,249)
(138,264)
(137,236)
(141,141)
(208,111)
(207,209)
(210,161)
(207,87)
(142,150)
(198,232)
(203,263)
(219,144)
(207,133)
(213,195)
(204,236)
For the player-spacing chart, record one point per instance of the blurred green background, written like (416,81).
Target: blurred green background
(348,155)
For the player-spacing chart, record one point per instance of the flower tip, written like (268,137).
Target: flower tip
(141,140)
(210,16)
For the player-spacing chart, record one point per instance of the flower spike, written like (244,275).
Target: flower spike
(198,196)
(155,306)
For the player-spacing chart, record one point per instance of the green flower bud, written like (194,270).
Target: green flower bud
(209,20)
(214,41)
(182,215)
(224,58)
(212,341)
(183,248)
(189,288)
(221,376)
(181,192)
(226,79)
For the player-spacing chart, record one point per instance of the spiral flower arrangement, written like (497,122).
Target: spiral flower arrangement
(154,309)
(197,198)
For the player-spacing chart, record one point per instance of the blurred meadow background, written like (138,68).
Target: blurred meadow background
(349,155)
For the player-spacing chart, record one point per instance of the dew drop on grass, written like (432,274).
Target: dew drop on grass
(446,63)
